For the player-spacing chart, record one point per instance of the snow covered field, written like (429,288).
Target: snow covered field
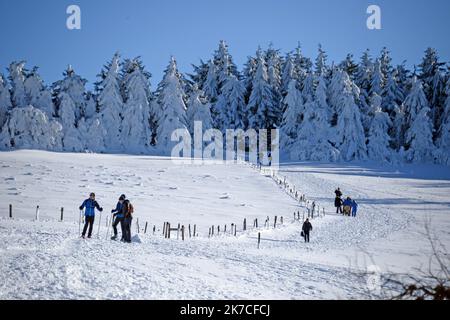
(47,260)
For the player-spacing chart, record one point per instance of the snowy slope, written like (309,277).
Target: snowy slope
(47,260)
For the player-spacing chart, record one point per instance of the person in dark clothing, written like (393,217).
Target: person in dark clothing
(307,227)
(118,217)
(127,211)
(338,192)
(338,204)
(90,205)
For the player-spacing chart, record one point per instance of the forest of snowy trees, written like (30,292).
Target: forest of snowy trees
(326,111)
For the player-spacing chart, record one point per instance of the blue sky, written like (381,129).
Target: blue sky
(36,31)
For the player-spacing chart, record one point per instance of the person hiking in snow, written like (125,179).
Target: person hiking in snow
(354,208)
(338,200)
(118,216)
(90,205)
(347,206)
(338,204)
(306,228)
(127,210)
(338,192)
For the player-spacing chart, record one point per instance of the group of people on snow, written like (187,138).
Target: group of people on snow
(346,207)
(123,214)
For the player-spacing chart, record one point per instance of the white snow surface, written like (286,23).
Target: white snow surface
(46,259)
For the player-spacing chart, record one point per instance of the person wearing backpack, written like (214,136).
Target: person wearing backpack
(354,208)
(128,211)
(118,216)
(90,205)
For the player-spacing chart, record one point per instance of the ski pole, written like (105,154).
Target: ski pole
(79,222)
(99,222)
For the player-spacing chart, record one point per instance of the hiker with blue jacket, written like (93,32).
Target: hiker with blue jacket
(118,216)
(90,205)
(354,208)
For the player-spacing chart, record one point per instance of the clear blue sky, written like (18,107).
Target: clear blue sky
(191,29)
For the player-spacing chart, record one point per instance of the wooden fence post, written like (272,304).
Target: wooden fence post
(10,211)
(154,229)
(195,227)
(164,229)
(178,232)
(294,216)
(137,225)
(189,230)
(218,230)
(275,222)
(182,232)
(245,224)
(212,231)
(281,219)
(235,230)
(37,213)
(209,232)
(62,214)
(259,238)
(145,229)
(225,229)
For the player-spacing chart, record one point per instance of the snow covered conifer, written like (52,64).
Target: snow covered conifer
(321,62)
(17,75)
(443,142)
(224,65)
(67,117)
(414,102)
(37,94)
(419,137)
(350,135)
(198,110)
(231,105)
(292,117)
(5,100)
(378,147)
(136,133)
(376,85)
(30,128)
(349,66)
(211,86)
(74,86)
(263,110)
(171,100)
(110,103)
(288,74)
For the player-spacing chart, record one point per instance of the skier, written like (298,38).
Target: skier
(90,205)
(306,228)
(128,217)
(338,204)
(118,217)
(354,208)
(347,206)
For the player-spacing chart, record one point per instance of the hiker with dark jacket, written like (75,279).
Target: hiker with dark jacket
(338,192)
(118,216)
(90,205)
(338,204)
(127,211)
(306,228)
(354,208)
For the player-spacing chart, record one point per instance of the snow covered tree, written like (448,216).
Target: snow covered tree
(363,78)
(350,138)
(349,66)
(303,65)
(17,75)
(376,84)
(224,65)
(110,103)
(172,108)
(74,86)
(72,140)
(231,106)
(378,146)
(292,116)
(393,97)
(288,74)
(321,62)
(309,87)
(5,100)
(414,102)
(385,63)
(30,128)
(198,77)
(263,109)
(443,141)
(93,134)
(136,133)
(419,138)
(198,110)
(433,84)
(37,94)
(211,85)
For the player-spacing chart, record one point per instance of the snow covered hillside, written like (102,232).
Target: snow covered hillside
(46,259)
